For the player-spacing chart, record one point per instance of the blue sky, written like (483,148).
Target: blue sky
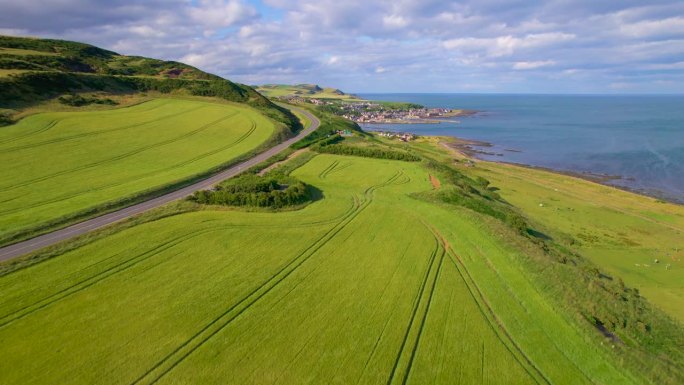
(564,46)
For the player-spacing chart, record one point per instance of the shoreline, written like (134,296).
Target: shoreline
(457,113)
(465,148)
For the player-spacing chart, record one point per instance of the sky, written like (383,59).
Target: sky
(362,46)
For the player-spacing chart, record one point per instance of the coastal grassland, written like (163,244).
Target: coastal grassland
(369,285)
(633,237)
(304,90)
(60,165)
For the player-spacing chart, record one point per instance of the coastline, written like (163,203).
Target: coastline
(465,147)
(457,113)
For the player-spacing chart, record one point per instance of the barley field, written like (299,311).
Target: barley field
(367,285)
(58,164)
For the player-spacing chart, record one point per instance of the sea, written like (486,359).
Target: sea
(634,142)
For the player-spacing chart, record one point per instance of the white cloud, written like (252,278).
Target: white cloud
(193,59)
(215,14)
(507,45)
(428,45)
(646,28)
(394,21)
(146,31)
(530,65)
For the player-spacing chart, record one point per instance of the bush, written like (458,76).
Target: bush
(5,119)
(255,191)
(80,100)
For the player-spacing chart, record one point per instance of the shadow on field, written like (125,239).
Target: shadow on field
(539,234)
(315,194)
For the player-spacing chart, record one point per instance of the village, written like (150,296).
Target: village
(368,112)
(403,136)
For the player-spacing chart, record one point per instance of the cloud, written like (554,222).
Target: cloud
(647,28)
(214,14)
(430,45)
(530,65)
(506,45)
(394,21)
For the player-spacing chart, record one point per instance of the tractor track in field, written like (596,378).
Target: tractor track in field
(94,279)
(220,228)
(47,127)
(127,264)
(124,155)
(138,177)
(327,170)
(95,133)
(54,122)
(520,302)
(48,239)
(174,358)
(413,323)
(387,320)
(338,168)
(414,350)
(488,313)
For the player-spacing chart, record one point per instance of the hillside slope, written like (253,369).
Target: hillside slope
(35,70)
(303,90)
(104,130)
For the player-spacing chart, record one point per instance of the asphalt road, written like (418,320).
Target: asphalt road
(49,239)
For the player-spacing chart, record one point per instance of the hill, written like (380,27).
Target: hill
(303,90)
(110,130)
(35,70)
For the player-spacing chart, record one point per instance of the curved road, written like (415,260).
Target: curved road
(49,239)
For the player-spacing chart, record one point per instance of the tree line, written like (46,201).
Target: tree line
(368,152)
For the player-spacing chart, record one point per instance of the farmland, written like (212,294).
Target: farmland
(304,90)
(59,165)
(368,285)
(636,238)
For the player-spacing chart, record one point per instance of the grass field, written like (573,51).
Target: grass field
(25,52)
(367,285)
(633,237)
(303,90)
(55,165)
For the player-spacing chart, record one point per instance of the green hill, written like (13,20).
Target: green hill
(303,90)
(111,130)
(35,70)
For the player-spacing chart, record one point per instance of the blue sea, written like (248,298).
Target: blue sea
(639,139)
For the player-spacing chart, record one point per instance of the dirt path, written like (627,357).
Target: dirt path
(436,184)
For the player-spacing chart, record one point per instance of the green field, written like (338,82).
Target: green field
(636,238)
(368,285)
(57,165)
(25,52)
(304,90)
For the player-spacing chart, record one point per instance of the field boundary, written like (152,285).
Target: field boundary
(168,363)
(488,313)
(32,239)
